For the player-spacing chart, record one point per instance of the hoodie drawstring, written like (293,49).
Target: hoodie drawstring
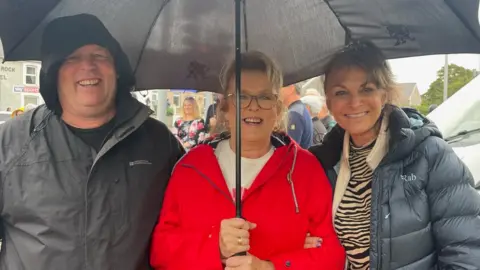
(289,179)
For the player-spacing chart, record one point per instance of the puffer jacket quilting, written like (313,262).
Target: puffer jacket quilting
(425,211)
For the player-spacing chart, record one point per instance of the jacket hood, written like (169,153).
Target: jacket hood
(62,37)
(202,159)
(203,154)
(407,129)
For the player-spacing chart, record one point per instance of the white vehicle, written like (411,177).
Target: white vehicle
(4,116)
(458,119)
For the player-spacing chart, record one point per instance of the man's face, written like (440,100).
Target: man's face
(87,81)
(286,92)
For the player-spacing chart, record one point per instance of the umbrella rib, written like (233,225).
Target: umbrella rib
(7,54)
(165,2)
(348,34)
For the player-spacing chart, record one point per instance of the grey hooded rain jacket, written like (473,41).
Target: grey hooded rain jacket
(63,206)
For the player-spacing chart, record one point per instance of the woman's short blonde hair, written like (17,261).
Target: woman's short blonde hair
(252,61)
(368,57)
(196,108)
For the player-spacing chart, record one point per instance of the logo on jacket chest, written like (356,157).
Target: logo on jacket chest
(139,162)
(408,177)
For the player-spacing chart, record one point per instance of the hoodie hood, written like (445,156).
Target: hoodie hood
(200,159)
(407,129)
(62,37)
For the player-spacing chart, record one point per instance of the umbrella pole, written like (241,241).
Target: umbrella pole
(238,144)
(238,119)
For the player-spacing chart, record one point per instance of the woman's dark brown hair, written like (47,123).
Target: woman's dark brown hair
(368,57)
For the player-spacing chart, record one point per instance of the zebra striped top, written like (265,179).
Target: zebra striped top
(352,219)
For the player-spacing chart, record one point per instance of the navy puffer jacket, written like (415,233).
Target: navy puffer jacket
(425,211)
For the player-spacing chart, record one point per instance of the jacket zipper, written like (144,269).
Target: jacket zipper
(379,224)
(209,181)
(290,181)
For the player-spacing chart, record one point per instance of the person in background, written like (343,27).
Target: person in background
(29,107)
(211,117)
(326,118)
(190,126)
(323,114)
(17,112)
(312,92)
(83,176)
(299,126)
(314,105)
(402,198)
(9,109)
(286,194)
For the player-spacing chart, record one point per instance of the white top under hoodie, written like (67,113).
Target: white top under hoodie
(250,167)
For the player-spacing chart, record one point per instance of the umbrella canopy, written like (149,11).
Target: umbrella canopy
(184,43)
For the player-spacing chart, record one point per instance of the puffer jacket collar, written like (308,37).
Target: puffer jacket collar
(407,129)
(406,133)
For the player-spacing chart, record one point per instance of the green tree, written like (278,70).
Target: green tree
(457,78)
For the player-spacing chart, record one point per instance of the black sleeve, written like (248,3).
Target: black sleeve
(454,206)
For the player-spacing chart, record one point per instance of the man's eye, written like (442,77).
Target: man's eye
(73,58)
(101,56)
(243,97)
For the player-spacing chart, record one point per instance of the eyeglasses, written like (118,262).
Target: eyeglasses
(264,101)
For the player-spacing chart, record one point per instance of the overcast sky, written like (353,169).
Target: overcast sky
(423,70)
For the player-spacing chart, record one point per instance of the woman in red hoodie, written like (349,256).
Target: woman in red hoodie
(286,194)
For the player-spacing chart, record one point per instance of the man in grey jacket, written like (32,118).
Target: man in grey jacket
(83,176)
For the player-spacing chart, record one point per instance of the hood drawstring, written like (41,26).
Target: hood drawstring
(290,182)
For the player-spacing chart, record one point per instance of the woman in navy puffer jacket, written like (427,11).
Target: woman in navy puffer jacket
(402,199)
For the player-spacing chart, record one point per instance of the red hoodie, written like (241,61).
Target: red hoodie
(197,200)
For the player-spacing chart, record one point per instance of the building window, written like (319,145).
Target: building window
(176,100)
(30,99)
(31,74)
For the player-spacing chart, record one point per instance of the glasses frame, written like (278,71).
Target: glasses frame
(251,100)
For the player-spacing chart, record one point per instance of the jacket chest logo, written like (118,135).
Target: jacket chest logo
(408,177)
(139,162)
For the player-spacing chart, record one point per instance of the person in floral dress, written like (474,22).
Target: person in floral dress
(190,126)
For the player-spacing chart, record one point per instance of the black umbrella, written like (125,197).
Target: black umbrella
(184,43)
